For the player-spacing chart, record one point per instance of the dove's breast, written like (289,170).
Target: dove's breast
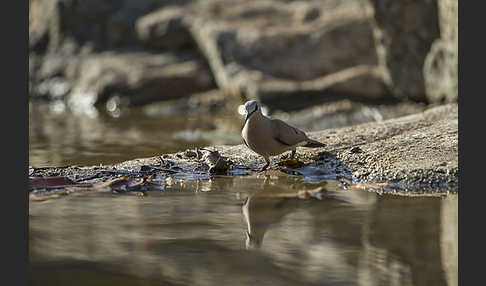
(259,136)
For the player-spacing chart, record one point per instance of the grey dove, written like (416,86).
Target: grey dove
(270,137)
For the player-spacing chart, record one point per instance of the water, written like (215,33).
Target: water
(59,137)
(196,234)
(223,230)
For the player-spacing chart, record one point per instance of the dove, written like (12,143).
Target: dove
(270,137)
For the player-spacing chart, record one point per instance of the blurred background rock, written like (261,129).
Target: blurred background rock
(316,63)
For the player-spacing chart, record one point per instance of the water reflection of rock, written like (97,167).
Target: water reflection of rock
(449,239)
(401,243)
(373,241)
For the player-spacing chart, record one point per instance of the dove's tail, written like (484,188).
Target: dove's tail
(313,144)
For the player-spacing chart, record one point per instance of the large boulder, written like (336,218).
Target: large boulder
(269,50)
(136,77)
(42,15)
(404,33)
(103,24)
(139,77)
(283,53)
(441,64)
(72,53)
(165,29)
(49,71)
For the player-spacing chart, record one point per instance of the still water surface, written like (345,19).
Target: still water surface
(196,234)
(59,137)
(226,230)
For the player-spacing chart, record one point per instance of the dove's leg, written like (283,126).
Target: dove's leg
(293,154)
(266,165)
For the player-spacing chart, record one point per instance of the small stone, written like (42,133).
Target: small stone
(356,150)
(190,154)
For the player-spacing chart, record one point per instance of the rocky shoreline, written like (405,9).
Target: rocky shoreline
(312,63)
(417,153)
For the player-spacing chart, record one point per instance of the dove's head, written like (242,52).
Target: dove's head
(251,107)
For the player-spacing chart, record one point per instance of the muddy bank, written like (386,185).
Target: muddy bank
(415,153)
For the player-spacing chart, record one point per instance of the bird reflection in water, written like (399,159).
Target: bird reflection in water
(262,210)
(267,207)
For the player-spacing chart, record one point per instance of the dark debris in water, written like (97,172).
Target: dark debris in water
(135,180)
(41,182)
(49,183)
(141,176)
